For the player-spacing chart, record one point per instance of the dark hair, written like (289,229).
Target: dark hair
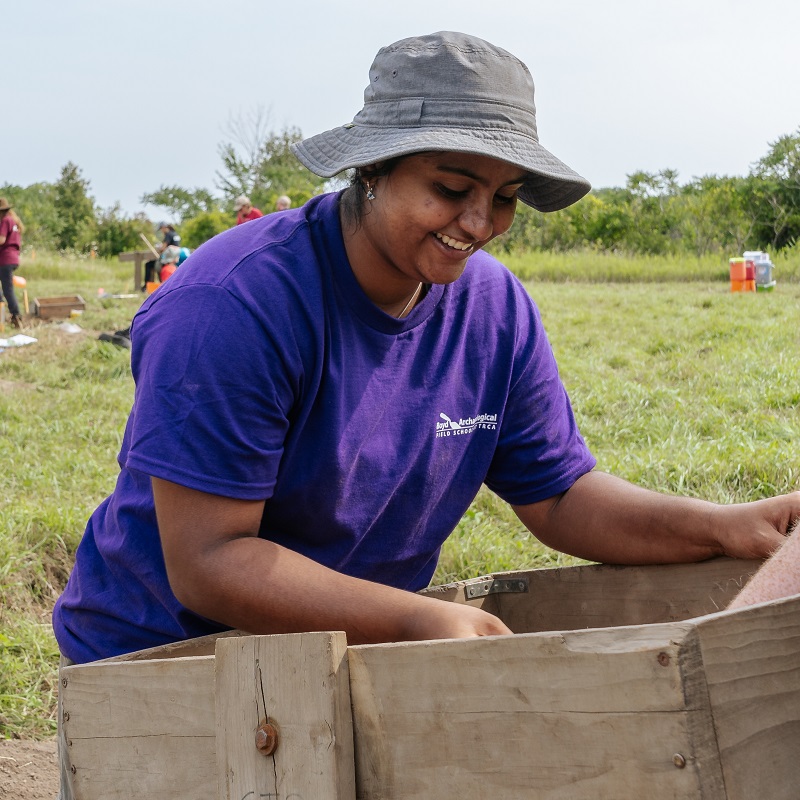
(354,201)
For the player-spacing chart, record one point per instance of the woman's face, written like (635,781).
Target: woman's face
(433,211)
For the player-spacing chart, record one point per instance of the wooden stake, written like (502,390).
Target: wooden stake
(284,725)
(149,246)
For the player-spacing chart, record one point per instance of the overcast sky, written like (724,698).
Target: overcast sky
(138,93)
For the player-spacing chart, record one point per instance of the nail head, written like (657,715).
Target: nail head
(266,738)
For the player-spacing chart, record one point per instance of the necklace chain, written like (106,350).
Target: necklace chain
(410,302)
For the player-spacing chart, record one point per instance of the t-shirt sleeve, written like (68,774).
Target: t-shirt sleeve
(540,451)
(213,394)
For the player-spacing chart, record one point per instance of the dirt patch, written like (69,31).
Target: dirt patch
(7,386)
(28,770)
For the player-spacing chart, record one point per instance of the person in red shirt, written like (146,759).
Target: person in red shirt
(11,228)
(245,210)
(169,261)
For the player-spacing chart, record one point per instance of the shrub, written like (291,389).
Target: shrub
(201,228)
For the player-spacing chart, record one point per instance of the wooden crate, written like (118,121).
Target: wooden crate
(57,307)
(622,682)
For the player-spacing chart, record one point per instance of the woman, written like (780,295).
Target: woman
(169,261)
(295,462)
(11,229)
(170,238)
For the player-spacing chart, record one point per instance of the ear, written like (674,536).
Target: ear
(371,171)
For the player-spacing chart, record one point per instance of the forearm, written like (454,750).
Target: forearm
(258,586)
(219,567)
(604,518)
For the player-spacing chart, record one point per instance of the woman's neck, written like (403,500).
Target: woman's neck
(394,293)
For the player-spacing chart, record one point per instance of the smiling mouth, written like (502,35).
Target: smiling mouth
(453,243)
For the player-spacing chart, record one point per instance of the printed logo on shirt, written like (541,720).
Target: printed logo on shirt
(449,427)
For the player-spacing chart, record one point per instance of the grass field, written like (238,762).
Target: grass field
(599,267)
(680,386)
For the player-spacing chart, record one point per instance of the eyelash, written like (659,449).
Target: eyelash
(452,194)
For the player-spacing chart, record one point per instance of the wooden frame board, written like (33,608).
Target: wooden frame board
(625,700)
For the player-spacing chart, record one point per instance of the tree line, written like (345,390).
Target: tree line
(653,214)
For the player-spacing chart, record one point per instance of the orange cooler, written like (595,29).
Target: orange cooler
(738,269)
(743,275)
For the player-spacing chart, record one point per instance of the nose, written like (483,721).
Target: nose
(477,219)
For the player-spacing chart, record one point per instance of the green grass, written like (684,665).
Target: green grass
(598,267)
(63,404)
(681,386)
(684,387)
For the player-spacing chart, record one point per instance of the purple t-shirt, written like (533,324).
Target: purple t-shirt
(264,372)
(9,250)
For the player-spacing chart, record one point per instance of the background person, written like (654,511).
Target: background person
(169,238)
(283,203)
(245,211)
(170,260)
(11,229)
(300,470)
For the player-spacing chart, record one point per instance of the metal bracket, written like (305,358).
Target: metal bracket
(495,586)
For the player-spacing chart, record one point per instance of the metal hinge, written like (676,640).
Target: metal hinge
(495,586)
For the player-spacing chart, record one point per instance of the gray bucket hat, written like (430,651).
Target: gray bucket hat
(448,92)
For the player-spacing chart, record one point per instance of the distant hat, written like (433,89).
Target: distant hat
(240,202)
(4,206)
(448,92)
(161,225)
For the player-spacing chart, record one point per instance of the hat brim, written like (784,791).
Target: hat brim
(552,184)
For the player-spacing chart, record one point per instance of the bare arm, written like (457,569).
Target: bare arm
(219,568)
(604,518)
(779,577)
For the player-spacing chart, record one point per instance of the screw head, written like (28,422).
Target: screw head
(663,659)
(266,738)
(679,761)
